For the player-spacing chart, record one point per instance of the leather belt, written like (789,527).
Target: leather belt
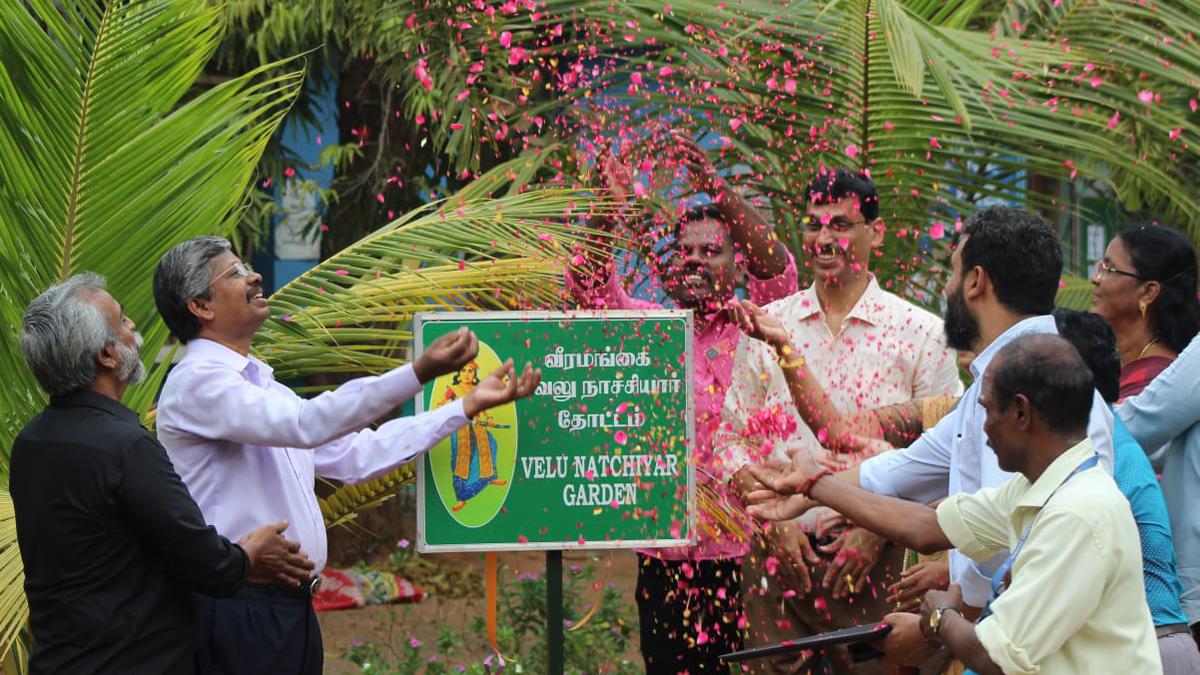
(1171,629)
(307,588)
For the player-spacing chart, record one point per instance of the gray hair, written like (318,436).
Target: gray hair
(183,273)
(62,334)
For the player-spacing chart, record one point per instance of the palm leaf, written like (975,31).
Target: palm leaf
(14,612)
(1075,293)
(943,114)
(107,172)
(344,505)
(351,313)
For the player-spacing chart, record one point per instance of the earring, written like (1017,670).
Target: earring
(1142,308)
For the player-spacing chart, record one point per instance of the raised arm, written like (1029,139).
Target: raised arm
(766,256)
(213,400)
(838,432)
(613,179)
(369,453)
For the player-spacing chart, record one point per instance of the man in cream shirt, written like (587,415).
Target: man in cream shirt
(870,348)
(1069,597)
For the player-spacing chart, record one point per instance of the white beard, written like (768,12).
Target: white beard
(132,370)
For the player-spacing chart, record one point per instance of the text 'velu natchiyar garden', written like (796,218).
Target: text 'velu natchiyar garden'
(597,457)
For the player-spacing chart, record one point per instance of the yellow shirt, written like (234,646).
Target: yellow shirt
(1076,603)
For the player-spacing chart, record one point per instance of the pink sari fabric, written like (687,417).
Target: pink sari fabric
(1137,375)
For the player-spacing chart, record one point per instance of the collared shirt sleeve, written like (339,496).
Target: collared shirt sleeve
(159,506)
(920,472)
(223,404)
(1063,568)
(1167,407)
(937,369)
(978,523)
(361,456)
(764,291)
(592,294)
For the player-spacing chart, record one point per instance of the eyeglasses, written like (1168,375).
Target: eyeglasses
(240,270)
(838,225)
(1104,267)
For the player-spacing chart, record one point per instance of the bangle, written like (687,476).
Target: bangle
(811,481)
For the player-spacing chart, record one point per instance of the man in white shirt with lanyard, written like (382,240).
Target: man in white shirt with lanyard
(249,448)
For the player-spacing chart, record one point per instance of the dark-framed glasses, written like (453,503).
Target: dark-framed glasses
(1104,267)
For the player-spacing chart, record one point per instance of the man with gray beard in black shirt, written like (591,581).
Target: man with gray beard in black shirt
(112,542)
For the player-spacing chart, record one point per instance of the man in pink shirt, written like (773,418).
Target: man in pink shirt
(688,598)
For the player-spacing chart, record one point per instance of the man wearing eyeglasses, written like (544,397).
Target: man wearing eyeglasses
(249,448)
(870,348)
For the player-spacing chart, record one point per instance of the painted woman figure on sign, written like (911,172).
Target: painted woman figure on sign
(472,448)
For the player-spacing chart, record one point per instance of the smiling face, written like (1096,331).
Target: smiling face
(238,304)
(838,241)
(1115,295)
(702,271)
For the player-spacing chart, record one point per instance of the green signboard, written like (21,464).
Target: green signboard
(597,457)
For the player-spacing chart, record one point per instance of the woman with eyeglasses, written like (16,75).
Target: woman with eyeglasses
(1145,288)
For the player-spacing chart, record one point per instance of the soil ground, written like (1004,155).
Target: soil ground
(397,624)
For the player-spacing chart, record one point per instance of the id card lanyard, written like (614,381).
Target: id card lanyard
(1006,566)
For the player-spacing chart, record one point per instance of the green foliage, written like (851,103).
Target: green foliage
(440,579)
(597,646)
(110,163)
(947,104)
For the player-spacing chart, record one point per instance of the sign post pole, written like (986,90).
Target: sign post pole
(554,613)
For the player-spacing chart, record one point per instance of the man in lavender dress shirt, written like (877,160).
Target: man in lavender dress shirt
(249,448)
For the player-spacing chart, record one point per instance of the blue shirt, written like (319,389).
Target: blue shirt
(1165,420)
(1135,477)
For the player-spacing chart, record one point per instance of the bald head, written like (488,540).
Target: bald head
(1051,375)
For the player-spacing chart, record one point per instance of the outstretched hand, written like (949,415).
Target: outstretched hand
(774,497)
(500,387)
(758,324)
(855,553)
(447,354)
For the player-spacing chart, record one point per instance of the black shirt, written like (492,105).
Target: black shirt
(112,543)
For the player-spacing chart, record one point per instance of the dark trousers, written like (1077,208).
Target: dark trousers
(263,630)
(689,613)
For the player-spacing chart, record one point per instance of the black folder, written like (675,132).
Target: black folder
(846,636)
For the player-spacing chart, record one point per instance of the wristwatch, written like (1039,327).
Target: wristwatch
(935,618)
